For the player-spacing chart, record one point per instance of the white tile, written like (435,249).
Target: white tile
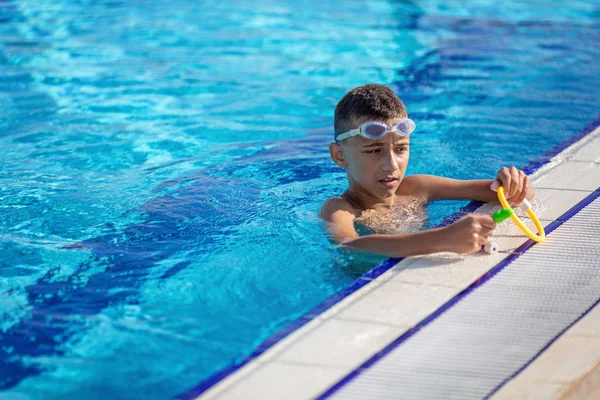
(284,381)
(509,244)
(289,340)
(587,388)
(587,151)
(549,204)
(571,175)
(232,380)
(345,302)
(566,360)
(390,273)
(340,343)
(530,391)
(446,269)
(589,325)
(398,304)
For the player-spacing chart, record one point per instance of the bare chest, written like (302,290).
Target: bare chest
(404,216)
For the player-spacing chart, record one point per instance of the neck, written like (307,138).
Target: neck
(364,200)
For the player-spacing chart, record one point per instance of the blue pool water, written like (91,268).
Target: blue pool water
(162,163)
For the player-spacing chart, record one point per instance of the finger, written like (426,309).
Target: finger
(504,178)
(486,232)
(494,185)
(524,179)
(514,181)
(476,242)
(519,185)
(482,240)
(502,175)
(486,221)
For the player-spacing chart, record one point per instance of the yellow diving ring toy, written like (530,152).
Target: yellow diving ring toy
(526,206)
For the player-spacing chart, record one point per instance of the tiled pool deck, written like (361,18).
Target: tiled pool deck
(424,311)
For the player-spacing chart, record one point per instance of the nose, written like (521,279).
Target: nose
(390,161)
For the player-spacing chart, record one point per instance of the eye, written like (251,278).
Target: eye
(375,151)
(401,150)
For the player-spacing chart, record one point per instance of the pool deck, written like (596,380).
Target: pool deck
(522,323)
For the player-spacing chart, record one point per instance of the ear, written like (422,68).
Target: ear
(337,154)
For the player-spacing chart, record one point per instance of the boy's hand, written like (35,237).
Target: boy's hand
(516,184)
(469,233)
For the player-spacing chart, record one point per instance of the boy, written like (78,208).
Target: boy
(372,144)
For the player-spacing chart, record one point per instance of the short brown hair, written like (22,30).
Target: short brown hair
(369,101)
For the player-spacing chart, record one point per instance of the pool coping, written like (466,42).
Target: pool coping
(369,277)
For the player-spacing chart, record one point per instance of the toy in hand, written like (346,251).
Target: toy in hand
(507,212)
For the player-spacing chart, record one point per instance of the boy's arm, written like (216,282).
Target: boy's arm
(437,188)
(339,216)
(464,236)
(402,245)
(516,183)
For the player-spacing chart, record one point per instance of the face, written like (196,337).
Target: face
(376,166)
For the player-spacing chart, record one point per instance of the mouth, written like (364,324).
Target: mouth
(389,181)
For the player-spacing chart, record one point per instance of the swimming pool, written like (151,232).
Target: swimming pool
(163,162)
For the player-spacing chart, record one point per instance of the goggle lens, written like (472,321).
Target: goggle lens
(375,130)
(406,127)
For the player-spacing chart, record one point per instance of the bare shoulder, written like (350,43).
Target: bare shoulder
(335,204)
(339,215)
(414,185)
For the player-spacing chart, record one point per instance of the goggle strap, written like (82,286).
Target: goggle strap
(350,133)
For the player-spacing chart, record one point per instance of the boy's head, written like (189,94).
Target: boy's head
(366,103)
(374,166)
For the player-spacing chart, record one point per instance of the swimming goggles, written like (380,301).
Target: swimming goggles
(376,130)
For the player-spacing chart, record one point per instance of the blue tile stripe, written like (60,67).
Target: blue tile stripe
(389,263)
